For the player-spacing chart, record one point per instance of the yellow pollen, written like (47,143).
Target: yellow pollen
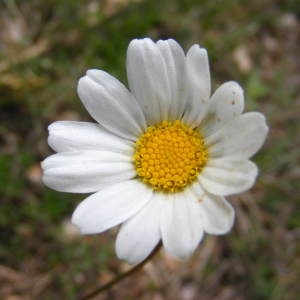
(169,156)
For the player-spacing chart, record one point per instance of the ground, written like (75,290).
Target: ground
(45,46)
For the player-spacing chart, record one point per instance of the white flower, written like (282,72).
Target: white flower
(162,156)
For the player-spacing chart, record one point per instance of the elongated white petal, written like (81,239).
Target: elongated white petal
(217,215)
(86,171)
(239,139)
(110,103)
(174,59)
(140,234)
(198,84)
(181,225)
(226,103)
(67,136)
(225,176)
(148,79)
(111,206)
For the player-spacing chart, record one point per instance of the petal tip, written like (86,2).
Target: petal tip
(234,85)
(139,41)
(76,220)
(196,48)
(81,84)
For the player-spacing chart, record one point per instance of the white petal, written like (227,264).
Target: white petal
(217,214)
(174,59)
(110,103)
(198,83)
(225,176)
(140,234)
(181,225)
(226,103)
(148,79)
(67,136)
(86,171)
(239,139)
(111,206)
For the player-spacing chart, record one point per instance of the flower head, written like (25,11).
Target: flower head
(162,155)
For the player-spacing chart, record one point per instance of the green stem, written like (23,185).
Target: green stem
(120,277)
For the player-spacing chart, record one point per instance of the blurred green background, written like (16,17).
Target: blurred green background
(45,46)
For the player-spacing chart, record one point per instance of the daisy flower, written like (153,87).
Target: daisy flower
(162,155)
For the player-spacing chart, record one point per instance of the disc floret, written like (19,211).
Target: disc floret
(170,155)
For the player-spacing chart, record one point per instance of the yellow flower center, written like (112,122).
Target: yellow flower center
(169,156)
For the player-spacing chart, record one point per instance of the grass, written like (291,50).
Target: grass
(46,46)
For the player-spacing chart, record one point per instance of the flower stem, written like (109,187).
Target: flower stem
(121,276)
